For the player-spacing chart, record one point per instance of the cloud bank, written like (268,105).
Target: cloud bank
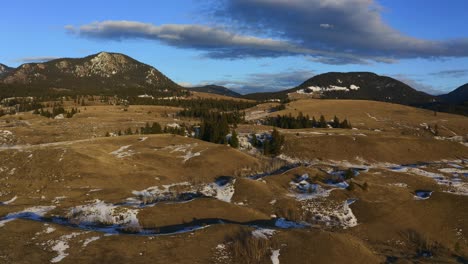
(327,31)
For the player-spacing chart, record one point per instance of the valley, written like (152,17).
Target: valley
(69,192)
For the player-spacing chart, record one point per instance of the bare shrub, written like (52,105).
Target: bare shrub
(246,248)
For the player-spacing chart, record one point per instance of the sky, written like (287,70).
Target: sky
(250,45)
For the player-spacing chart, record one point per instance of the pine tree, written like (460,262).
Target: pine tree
(322,122)
(277,141)
(345,124)
(156,128)
(336,122)
(128,131)
(234,141)
(254,141)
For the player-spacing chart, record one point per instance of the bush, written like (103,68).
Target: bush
(349,174)
(248,249)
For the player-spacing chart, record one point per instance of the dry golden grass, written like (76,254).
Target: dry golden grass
(378,115)
(67,174)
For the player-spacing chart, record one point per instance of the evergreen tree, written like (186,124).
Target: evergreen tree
(345,124)
(255,141)
(277,141)
(322,122)
(336,122)
(156,128)
(234,141)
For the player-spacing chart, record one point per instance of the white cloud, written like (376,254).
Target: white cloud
(327,26)
(35,59)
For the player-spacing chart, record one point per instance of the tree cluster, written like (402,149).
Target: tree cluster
(154,128)
(270,145)
(214,128)
(202,104)
(56,110)
(301,121)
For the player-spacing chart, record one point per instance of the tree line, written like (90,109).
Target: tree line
(211,104)
(154,128)
(56,110)
(304,121)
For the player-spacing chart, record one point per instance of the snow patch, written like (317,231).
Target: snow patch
(331,215)
(9,201)
(222,190)
(123,152)
(61,245)
(89,240)
(187,149)
(32,213)
(275,256)
(263,233)
(100,213)
(330,88)
(303,190)
(399,184)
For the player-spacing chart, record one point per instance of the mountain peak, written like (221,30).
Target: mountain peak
(103,70)
(361,85)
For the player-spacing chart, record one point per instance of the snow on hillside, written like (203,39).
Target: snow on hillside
(331,88)
(100,213)
(222,190)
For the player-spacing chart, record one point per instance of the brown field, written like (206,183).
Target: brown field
(70,195)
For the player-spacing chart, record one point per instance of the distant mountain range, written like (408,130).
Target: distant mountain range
(117,74)
(216,89)
(102,73)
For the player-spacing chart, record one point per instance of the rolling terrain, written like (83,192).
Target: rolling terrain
(69,196)
(127,177)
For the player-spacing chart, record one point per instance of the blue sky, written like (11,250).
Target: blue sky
(251,45)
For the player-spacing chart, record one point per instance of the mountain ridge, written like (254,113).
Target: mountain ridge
(457,96)
(216,89)
(104,72)
(353,85)
(4,69)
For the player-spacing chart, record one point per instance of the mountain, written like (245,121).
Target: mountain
(457,96)
(102,73)
(353,85)
(4,70)
(216,89)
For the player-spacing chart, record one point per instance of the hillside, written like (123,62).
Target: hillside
(102,73)
(457,96)
(353,85)
(4,70)
(179,199)
(216,89)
